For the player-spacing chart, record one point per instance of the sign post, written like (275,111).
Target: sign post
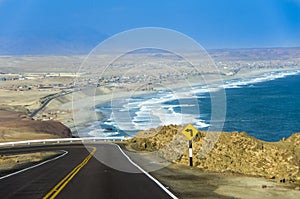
(191,152)
(190,132)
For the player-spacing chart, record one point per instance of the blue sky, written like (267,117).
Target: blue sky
(213,23)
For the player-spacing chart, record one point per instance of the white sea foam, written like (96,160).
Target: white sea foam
(265,77)
(155,111)
(204,89)
(94,130)
(97,132)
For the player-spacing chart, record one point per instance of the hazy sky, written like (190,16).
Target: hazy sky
(213,23)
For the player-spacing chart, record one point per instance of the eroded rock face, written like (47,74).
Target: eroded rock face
(235,152)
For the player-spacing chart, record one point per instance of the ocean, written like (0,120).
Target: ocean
(266,107)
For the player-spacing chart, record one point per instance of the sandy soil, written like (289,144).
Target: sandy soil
(193,183)
(20,101)
(9,163)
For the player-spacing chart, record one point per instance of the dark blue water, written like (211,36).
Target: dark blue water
(269,110)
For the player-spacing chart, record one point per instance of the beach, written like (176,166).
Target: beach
(86,100)
(149,109)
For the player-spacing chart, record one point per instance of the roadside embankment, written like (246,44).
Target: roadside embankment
(231,152)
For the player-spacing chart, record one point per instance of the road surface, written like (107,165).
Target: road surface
(46,102)
(79,175)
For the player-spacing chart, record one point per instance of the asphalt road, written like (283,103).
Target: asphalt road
(33,114)
(80,175)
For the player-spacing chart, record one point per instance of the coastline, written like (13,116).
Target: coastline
(105,98)
(82,111)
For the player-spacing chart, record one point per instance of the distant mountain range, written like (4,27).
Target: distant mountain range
(81,40)
(53,42)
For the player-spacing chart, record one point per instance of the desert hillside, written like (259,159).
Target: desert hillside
(230,152)
(16,126)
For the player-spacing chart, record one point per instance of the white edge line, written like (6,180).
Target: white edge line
(31,167)
(147,174)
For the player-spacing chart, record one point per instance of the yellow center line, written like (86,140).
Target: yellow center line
(61,184)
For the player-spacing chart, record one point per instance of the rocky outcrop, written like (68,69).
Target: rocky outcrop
(234,152)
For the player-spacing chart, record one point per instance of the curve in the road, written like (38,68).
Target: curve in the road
(80,175)
(61,184)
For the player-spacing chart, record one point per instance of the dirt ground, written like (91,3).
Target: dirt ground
(10,163)
(192,183)
(16,126)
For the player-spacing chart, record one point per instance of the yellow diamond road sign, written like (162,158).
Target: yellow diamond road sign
(189,131)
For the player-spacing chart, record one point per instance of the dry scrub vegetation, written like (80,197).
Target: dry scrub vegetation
(232,152)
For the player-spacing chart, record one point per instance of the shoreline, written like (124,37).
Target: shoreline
(64,108)
(103,99)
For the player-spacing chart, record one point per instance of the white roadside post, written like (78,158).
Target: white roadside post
(191,152)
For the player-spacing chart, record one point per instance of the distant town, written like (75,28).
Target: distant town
(160,68)
(19,82)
